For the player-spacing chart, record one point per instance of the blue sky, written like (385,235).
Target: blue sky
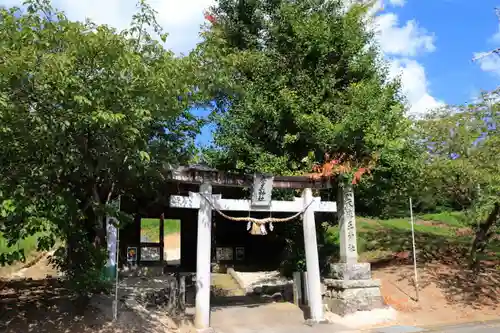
(461,28)
(204,138)
(429,43)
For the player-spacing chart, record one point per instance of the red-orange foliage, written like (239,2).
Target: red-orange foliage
(341,164)
(210,18)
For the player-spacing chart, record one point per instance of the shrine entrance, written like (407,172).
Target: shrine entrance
(207,204)
(237,248)
(217,227)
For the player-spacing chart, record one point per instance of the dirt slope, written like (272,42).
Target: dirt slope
(446,294)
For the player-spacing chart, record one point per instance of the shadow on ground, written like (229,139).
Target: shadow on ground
(470,289)
(442,261)
(226,292)
(234,311)
(45,306)
(221,300)
(430,247)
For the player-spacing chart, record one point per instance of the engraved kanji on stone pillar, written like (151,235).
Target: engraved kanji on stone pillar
(347,224)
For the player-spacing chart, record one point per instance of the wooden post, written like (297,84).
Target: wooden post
(297,289)
(203,256)
(414,250)
(138,239)
(305,288)
(162,237)
(312,260)
(182,293)
(172,294)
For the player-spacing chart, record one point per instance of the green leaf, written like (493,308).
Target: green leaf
(87,113)
(144,156)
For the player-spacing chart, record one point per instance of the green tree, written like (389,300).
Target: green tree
(86,113)
(449,136)
(463,164)
(295,81)
(397,176)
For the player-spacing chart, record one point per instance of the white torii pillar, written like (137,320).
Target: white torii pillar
(203,259)
(312,260)
(204,239)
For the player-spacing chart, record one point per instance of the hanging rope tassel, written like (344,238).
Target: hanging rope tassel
(271,226)
(255,229)
(263,230)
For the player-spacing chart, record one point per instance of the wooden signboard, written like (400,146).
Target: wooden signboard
(262,190)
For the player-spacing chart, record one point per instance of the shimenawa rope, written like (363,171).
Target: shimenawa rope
(255,220)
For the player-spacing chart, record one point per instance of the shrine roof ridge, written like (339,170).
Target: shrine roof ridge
(199,173)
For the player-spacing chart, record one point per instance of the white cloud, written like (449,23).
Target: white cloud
(496,36)
(399,3)
(9,3)
(182,20)
(115,13)
(415,85)
(401,43)
(406,40)
(488,62)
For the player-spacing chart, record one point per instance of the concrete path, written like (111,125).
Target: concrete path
(266,318)
(475,327)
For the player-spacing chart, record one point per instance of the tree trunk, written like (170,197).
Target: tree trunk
(74,244)
(482,235)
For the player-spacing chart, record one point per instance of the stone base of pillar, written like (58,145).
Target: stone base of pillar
(205,330)
(343,297)
(311,323)
(350,288)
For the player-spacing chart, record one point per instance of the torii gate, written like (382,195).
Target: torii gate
(205,202)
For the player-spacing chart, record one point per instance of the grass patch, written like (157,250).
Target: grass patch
(28,244)
(367,225)
(405,225)
(150,228)
(453,219)
(378,239)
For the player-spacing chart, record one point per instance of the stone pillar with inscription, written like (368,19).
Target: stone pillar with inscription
(347,224)
(349,286)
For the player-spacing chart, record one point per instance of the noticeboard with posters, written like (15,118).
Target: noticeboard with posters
(132,254)
(240,253)
(224,253)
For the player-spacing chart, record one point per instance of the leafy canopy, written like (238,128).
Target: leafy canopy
(293,80)
(463,162)
(86,112)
